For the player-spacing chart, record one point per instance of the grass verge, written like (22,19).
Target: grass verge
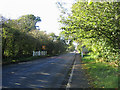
(22,59)
(25,59)
(101,75)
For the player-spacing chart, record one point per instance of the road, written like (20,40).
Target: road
(43,73)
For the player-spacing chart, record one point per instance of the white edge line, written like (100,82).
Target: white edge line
(70,79)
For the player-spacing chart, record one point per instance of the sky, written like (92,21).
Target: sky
(46,9)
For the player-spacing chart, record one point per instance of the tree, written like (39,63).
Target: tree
(18,41)
(95,25)
(28,22)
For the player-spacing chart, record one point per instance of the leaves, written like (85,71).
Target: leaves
(90,2)
(20,38)
(96,25)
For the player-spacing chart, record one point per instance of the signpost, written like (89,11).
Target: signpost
(40,53)
(43,47)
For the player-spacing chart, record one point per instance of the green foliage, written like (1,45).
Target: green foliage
(71,48)
(95,25)
(90,2)
(20,38)
(59,45)
(28,22)
(101,75)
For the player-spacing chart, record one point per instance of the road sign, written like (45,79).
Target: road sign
(43,47)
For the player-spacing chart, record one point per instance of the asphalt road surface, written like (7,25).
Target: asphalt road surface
(43,73)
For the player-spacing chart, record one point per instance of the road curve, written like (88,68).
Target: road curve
(43,73)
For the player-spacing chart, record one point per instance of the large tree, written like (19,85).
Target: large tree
(28,22)
(96,25)
(18,41)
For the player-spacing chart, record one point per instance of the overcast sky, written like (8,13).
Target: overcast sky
(46,9)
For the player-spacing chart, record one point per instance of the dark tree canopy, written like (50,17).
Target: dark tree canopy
(20,38)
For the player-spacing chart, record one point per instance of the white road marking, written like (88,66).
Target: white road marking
(70,79)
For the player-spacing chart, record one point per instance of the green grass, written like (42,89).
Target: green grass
(22,59)
(101,75)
